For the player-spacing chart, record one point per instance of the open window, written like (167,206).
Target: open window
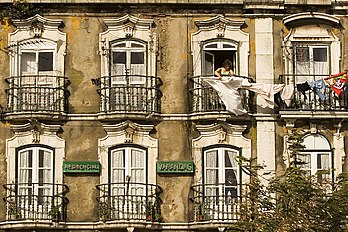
(215,53)
(37,82)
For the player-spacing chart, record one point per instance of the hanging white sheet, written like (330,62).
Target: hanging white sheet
(227,89)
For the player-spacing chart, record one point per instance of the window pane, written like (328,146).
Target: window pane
(302,54)
(136,45)
(137,57)
(211,46)
(119,57)
(320,54)
(227,46)
(323,161)
(120,45)
(230,159)
(212,176)
(46,61)
(28,62)
(211,159)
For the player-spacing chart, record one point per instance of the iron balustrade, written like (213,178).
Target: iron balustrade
(129,201)
(35,201)
(215,202)
(37,93)
(129,93)
(309,100)
(205,98)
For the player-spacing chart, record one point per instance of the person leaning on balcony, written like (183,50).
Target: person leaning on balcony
(226,70)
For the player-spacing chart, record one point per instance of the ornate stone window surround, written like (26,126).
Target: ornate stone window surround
(218,134)
(220,27)
(35,134)
(312,28)
(128,27)
(37,33)
(128,133)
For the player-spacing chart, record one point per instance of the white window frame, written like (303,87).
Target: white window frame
(127,169)
(316,144)
(221,170)
(24,136)
(320,33)
(220,28)
(220,47)
(128,49)
(311,68)
(136,135)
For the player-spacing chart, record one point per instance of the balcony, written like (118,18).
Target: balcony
(215,203)
(129,202)
(38,94)
(310,100)
(205,99)
(35,202)
(129,94)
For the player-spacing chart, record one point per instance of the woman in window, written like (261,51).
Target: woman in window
(226,70)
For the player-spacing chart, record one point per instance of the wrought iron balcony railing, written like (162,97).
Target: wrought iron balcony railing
(310,100)
(205,98)
(215,203)
(37,93)
(129,201)
(35,201)
(129,93)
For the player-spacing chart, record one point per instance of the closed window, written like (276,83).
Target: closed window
(316,158)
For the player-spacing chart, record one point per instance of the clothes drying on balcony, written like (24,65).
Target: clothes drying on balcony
(265,91)
(227,90)
(319,88)
(337,82)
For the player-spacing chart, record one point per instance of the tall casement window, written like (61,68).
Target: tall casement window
(317,158)
(311,53)
(221,182)
(128,170)
(221,172)
(35,176)
(128,189)
(216,52)
(216,40)
(37,82)
(34,189)
(128,58)
(128,81)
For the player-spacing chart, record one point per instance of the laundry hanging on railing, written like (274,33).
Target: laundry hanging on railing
(227,90)
(337,82)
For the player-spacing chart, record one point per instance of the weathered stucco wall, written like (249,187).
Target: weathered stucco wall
(82,62)
(82,145)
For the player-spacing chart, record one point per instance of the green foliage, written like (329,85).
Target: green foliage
(19,9)
(293,202)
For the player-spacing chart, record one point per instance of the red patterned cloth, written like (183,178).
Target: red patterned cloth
(336,82)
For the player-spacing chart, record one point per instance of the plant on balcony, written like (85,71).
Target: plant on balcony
(200,215)
(55,213)
(13,210)
(104,210)
(149,210)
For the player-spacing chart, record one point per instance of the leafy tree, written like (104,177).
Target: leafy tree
(294,201)
(19,9)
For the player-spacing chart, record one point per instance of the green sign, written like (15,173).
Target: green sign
(81,167)
(180,167)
